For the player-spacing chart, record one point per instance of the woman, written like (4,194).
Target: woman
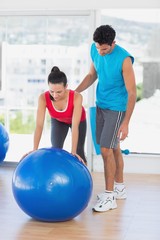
(66,111)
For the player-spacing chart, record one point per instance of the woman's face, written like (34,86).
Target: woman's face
(57,90)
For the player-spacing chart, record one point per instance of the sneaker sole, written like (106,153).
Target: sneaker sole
(103,209)
(121,198)
(100,210)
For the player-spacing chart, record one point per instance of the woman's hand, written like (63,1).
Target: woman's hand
(79,158)
(25,155)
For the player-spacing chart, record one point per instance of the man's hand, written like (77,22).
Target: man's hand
(123,131)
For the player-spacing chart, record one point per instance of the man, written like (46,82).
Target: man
(115,101)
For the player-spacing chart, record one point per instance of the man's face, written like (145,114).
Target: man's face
(104,49)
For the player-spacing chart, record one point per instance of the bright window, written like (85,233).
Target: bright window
(138,31)
(30,47)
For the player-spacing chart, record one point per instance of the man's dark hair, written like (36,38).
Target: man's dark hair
(104,34)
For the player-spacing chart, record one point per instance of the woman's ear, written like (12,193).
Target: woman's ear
(66,86)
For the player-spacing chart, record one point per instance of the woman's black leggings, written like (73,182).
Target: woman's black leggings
(59,132)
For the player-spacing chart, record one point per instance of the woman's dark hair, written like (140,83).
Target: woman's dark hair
(57,76)
(104,34)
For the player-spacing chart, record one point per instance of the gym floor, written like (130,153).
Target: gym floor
(136,218)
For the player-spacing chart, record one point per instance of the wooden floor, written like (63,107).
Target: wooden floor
(136,218)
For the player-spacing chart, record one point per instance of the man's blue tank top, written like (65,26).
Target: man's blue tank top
(111,92)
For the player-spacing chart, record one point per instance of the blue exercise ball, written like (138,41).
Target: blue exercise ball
(52,185)
(4,142)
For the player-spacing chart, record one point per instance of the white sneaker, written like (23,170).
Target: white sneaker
(119,194)
(105,203)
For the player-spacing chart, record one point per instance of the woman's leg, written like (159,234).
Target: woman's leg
(59,132)
(81,140)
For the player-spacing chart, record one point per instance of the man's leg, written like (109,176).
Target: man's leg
(107,199)
(119,164)
(107,125)
(109,168)
(119,186)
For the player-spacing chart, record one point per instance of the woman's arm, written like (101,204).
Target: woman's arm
(39,123)
(41,110)
(77,112)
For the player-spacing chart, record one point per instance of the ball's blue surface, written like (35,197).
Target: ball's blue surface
(4,142)
(52,185)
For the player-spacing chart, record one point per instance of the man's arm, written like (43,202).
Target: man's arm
(89,79)
(129,79)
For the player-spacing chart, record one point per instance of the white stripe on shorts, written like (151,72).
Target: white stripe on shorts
(116,130)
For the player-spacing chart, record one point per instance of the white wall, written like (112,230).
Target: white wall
(25,5)
(133,163)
